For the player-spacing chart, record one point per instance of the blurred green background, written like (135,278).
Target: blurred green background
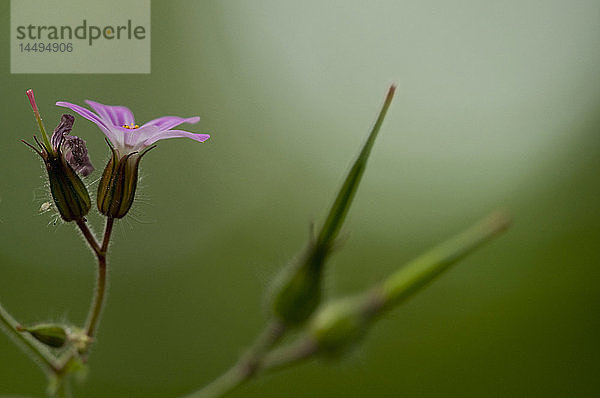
(498,105)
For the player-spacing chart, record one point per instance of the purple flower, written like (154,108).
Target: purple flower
(118,124)
(130,142)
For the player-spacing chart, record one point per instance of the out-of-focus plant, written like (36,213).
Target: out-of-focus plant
(296,296)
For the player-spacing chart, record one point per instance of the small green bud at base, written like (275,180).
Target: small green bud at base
(52,335)
(116,189)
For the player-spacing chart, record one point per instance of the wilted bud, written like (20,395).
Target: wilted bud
(52,335)
(70,194)
(116,189)
(298,288)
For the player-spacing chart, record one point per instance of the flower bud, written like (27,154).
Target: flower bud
(52,335)
(68,191)
(116,189)
(298,287)
(338,324)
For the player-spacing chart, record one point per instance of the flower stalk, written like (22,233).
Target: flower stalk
(97,303)
(100,250)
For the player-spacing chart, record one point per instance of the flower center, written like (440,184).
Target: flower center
(131,126)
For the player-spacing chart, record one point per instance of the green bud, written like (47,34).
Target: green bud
(116,189)
(52,335)
(68,191)
(298,288)
(342,322)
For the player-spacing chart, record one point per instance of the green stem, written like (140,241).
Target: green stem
(290,355)
(45,357)
(246,367)
(98,302)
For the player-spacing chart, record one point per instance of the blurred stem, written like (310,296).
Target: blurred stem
(41,353)
(342,202)
(401,284)
(289,355)
(337,324)
(246,366)
(63,390)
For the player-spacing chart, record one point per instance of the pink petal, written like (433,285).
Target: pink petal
(89,115)
(117,115)
(85,113)
(168,122)
(175,134)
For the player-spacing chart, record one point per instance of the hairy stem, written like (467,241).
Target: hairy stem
(246,367)
(89,237)
(98,302)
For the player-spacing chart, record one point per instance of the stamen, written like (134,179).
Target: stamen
(131,126)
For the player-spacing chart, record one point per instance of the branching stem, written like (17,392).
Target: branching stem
(40,352)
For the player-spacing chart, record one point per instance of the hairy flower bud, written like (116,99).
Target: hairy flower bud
(116,189)
(68,191)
